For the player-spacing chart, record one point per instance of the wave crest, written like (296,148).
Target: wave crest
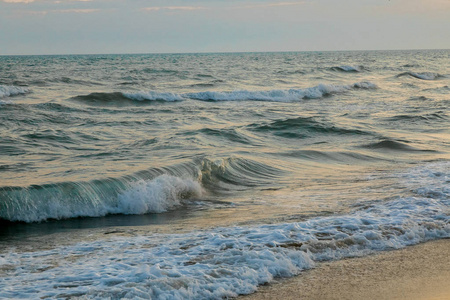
(422,75)
(348,68)
(95,199)
(10,90)
(290,95)
(159,195)
(153,96)
(148,191)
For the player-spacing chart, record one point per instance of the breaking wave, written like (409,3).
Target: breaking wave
(9,90)
(289,95)
(153,96)
(95,199)
(226,262)
(150,191)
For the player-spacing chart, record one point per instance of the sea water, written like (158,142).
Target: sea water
(199,176)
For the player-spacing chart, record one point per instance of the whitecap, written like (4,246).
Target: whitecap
(153,96)
(9,90)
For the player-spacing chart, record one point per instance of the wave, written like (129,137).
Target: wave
(153,96)
(9,90)
(280,95)
(120,98)
(290,95)
(411,66)
(343,157)
(302,127)
(236,174)
(352,69)
(150,191)
(69,80)
(3,102)
(436,116)
(442,90)
(392,146)
(95,199)
(423,75)
(225,262)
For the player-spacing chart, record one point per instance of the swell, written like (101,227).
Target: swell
(430,117)
(392,145)
(303,127)
(348,69)
(290,95)
(118,98)
(150,191)
(422,75)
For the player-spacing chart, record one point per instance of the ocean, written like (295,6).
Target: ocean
(203,176)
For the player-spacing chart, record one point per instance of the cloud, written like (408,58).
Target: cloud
(416,7)
(18,1)
(173,8)
(56,1)
(77,11)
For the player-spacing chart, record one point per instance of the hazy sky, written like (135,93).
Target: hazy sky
(147,26)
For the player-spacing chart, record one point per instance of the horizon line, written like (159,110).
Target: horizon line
(223,52)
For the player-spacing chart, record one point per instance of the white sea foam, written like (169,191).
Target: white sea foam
(5,102)
(289,95)
(154,196)
(159,195)
(153,96)
(225,262)
(9,90)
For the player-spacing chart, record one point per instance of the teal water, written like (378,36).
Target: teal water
(112,144)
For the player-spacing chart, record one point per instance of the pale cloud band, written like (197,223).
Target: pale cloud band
(186,8)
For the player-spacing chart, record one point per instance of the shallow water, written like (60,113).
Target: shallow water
(205,175)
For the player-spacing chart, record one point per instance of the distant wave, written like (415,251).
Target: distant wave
(437,116)
(423,75)
(290,95)
(9,90)
(392,145)
(348,68)
(73,81)
(442,90)
(303,127)
(153,96)
(120,98)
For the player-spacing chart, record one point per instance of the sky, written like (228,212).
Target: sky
(180,26)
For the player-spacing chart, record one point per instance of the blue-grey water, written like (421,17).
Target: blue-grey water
(205,175)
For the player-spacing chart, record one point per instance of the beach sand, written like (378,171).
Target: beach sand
(413,273)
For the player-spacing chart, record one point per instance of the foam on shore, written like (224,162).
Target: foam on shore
(226,262)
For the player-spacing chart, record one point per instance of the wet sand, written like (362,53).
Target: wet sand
(413,273)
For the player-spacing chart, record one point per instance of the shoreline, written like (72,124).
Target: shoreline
(416,272)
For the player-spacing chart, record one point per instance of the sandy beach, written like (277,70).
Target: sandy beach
(416,272)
